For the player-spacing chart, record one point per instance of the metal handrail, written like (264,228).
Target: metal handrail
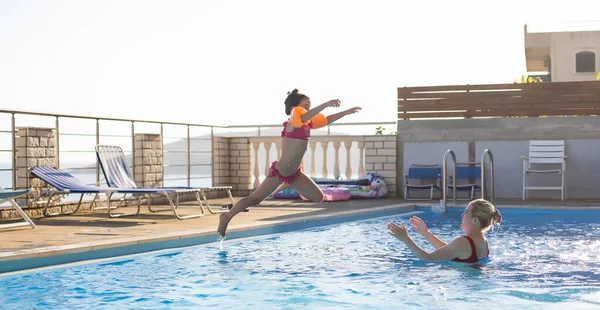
(484,155)
(78,134)
(78,168)
(105,118)
(174,123)
(258,127)
(445,177)
(336,124)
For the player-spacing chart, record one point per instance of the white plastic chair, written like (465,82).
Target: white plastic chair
(545,152)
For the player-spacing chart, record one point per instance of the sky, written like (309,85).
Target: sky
(231,62)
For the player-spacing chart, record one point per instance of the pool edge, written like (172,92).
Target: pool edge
(24,260)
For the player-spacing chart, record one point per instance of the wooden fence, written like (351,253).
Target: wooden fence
(500,100)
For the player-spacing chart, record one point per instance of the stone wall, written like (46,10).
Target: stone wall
(35,147)
(239,167)
(380,158)
(148,160)
(220,168)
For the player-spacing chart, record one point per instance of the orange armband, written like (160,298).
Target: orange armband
(318,121)
(296,117)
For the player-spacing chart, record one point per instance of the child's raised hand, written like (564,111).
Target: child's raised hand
(353,110)
(334,103)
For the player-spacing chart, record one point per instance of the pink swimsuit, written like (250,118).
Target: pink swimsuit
(301,134)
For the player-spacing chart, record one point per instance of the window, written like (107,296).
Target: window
(585,62)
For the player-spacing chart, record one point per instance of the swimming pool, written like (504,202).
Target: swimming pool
(539,258)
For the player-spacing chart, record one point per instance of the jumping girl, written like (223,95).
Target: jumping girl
(295,136)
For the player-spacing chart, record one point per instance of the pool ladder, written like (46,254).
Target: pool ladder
(484,155)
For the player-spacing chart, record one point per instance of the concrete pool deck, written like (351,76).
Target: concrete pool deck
(90,231)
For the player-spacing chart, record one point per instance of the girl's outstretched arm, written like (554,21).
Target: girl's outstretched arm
(334,117)
(316,110)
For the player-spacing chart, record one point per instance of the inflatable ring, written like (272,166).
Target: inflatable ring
(287,193)
(333,194)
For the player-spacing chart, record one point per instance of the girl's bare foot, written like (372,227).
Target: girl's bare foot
(223,222)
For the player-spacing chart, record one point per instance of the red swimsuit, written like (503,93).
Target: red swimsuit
(473,258)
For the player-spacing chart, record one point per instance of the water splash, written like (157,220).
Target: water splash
(221,240)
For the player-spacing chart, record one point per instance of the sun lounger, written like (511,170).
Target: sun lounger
(64,183)
(9,196)
(116,171)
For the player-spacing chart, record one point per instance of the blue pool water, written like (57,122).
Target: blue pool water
(548,259)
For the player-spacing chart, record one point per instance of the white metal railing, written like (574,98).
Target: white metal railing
(77,141)
(318,155)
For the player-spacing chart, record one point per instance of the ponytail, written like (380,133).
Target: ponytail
(496,219)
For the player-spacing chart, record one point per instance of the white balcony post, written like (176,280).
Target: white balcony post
(361,158)
(348,145)
(313,164)
(325,146)
(336,159)
(278,146)
(268,156)
(255,146)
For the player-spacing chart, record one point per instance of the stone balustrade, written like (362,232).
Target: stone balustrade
(371,154)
